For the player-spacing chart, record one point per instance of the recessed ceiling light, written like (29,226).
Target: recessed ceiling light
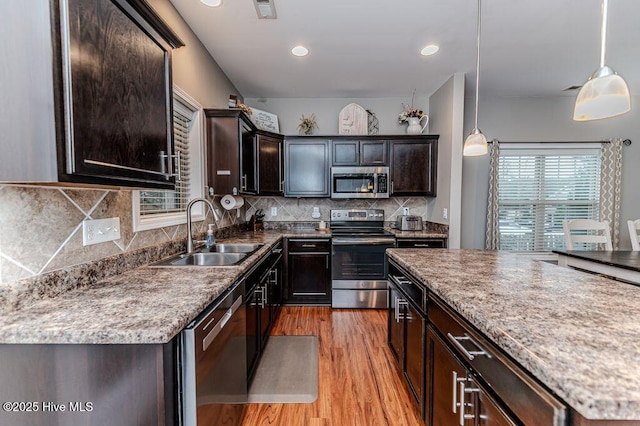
(300,51)
(212,3)
(429,50)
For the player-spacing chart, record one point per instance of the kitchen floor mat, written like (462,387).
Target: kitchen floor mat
(288,371)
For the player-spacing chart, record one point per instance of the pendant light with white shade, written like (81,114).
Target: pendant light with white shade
(476,142)
(605,94)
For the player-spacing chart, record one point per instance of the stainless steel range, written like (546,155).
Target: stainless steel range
(358,260)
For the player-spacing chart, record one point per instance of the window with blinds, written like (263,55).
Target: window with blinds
(163,202)
(538,190)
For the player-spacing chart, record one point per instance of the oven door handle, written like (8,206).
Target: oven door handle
(362,241)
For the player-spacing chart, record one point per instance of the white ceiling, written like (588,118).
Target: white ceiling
(370,48)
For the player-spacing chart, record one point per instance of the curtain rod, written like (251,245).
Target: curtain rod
(626,142)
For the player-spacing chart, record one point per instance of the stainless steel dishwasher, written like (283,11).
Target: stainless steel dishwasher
(213,363)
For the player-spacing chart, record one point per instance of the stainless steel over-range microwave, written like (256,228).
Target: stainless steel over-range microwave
(360,182)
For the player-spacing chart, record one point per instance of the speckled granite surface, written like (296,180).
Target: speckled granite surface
(143,305)
(578,333)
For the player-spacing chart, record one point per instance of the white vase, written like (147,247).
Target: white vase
(414,127)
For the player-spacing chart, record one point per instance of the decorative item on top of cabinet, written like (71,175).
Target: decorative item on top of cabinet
(307,163)
(413,163)
(265,120)
(373,125)
(231,152)
(307,124)
(112,127)
(353,120)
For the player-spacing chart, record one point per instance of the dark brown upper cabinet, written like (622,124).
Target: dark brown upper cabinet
(270,163)
(413,163)
(307,163)
(231,152)
(359,153)
(113,93)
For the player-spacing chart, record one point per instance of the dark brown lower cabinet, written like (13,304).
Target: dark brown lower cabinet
(309,271)
(457,398)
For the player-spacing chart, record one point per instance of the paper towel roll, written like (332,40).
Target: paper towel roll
(231,202)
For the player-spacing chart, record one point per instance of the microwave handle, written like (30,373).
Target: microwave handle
(375,183)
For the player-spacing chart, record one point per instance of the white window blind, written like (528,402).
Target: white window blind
(538,190)
(163,202)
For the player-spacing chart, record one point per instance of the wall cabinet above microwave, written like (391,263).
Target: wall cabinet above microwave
(111,126)
(359,153)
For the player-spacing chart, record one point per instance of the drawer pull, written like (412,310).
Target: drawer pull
(469,354)
(456,380)
(308,245)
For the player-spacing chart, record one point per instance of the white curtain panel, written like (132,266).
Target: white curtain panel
(610,186)
(493,225)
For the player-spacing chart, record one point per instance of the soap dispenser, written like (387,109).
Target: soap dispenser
(211,240)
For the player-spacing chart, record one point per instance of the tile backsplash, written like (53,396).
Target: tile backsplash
(300,209)
(41,228)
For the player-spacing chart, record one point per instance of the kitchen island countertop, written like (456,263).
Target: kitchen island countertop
(575,332)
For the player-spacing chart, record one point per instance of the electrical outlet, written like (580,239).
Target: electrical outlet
(100,230)
(445,213)
(274,211)
(405,211)
(316,213)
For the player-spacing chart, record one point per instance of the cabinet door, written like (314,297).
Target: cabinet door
(248,159)
(395,330)
(490,413)
(223,154)
(270,165)
(445,373)
(373,153)
(275,291)
(413,167)
(309,278)
(346,153)
(414,367)
(307,168)
(118,125)
(253,322)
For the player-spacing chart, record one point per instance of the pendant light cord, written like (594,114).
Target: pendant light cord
(603,35)
(478,62)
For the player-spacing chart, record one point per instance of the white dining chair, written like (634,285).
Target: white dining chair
(588,232)
(634,227)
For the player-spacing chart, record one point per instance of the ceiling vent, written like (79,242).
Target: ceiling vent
(265,9)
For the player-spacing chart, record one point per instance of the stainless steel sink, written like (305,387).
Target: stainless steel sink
(204,259)
(232,248)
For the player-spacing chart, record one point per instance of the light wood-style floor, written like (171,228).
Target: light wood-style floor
(358,382)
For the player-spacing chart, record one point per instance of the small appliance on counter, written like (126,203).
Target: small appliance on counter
(408,223)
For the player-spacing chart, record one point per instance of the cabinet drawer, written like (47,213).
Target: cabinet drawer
(421,243)
(533,405)
(309,245)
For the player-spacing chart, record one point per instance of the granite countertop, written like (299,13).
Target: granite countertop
(576,332)
(147,305)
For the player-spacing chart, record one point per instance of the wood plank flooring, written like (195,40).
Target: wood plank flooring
(358,382)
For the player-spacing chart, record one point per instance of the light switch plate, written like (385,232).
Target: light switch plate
(274,211)
(100,230)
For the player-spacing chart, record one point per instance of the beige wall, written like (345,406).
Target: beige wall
(40,227)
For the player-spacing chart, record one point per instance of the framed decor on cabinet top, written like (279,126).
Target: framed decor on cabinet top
(265,120)
(353,120)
